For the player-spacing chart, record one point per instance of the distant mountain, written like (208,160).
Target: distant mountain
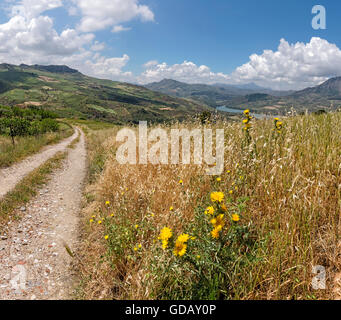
(325,96)
(50,68)
(72,94)
(213,95)
(254,88)
(330,89)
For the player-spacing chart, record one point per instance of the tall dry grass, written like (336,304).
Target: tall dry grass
(293,182)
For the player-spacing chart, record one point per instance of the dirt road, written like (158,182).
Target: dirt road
(9,177)
(34,262)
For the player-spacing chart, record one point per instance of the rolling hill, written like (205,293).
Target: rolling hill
(326,96)
(72,94)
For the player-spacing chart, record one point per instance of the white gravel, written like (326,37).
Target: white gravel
(34,262)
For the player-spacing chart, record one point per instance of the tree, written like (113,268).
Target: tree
(16,126)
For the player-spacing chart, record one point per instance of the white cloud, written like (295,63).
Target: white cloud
(292,66)
(32,8)
(101,14)
(186,72)
(20,37)
(30,38)
(119,28)
(98,46)
(151,63)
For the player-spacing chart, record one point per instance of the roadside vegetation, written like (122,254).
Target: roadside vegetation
(24,131)
(255,232)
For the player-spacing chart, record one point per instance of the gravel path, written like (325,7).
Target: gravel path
(10,176)
(34,262)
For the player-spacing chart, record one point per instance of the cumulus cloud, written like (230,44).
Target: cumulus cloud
(292,66)
(33,8)
(151,63)
(98,46)
(119,28)
(29,37)
(101,14)
(186,72)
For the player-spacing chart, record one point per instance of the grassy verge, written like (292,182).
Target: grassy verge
(162,232)
(26,146)
(27,188)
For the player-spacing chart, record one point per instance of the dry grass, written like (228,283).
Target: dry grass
(292,179)
(26,146)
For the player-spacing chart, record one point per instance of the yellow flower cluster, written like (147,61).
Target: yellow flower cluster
(165,235)
(209,210)
(278,125)
(247,120)
(218,224)
(181,245)
(217,197)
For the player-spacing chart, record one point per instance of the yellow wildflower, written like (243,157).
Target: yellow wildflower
(135,249)
(223,207)
(180,248)
(235,217)
(231,192)
(136,226)
(140,246)
(181,182)
(246,112)
(171,209)
(198,257)
(99,221)
(107,203)
(215,232)
(91,220)
(164,244)
(106,237)
(209,210)
(183,238)
(218,221)
(217,196)
(165,234)
(219,179)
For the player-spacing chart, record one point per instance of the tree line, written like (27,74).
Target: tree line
(30,121)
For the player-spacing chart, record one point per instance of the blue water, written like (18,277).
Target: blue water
(232,110)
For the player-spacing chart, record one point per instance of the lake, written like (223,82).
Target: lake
(240,111)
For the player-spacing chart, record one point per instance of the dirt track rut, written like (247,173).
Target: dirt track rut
(34,262)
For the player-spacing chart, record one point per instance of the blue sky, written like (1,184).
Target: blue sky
(199,41)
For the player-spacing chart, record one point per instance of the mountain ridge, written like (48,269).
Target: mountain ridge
(324,96)
(69,93)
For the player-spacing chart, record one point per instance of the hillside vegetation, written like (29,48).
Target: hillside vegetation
(72,95)
(326,96)
(255,232)
(24,131)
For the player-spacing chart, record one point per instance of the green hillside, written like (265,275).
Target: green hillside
(326,96)
(72,94)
